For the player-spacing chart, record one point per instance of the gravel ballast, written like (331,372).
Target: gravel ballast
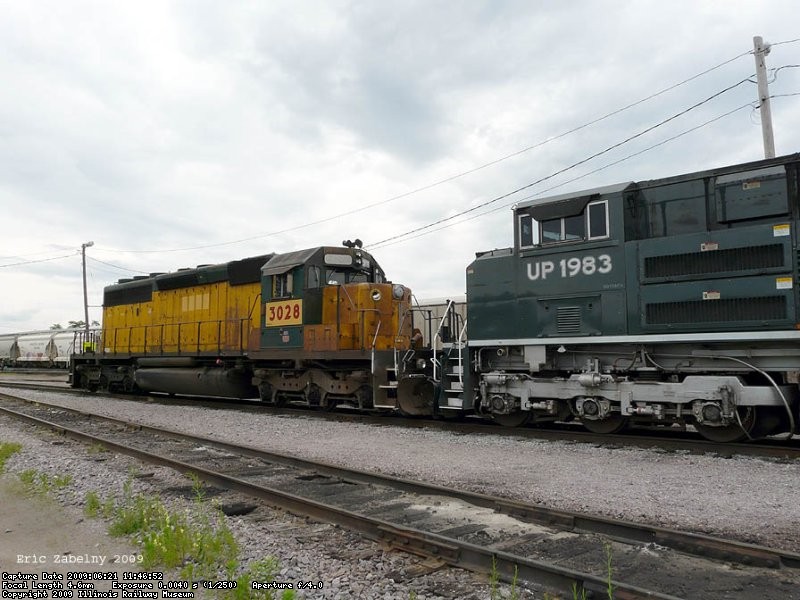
(306,551)
(752,499)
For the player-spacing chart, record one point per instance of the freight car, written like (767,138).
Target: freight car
(321,326)
(46,349)
(672,301)
(6,343)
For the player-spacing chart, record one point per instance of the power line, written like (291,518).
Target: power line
(565,169)
(452,177)
(30,262)
(775,71)
(115,266)
(574,179)
(786,42)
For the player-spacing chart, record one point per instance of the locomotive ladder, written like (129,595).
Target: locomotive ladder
(452,380)
(454,390)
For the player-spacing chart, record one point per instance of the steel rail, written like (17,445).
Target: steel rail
(450,551)
(661,440)
(690,543)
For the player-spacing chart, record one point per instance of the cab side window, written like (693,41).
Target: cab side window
(313,276)
(597,220)
(525,231)
(282,285)
(591,224)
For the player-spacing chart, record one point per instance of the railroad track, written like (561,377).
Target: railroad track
(666,440)
(554,548)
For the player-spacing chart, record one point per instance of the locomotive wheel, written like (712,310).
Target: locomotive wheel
(314,395)
(128,385)
(733,432)
(88,384)
(515,419)
(612,424)
(265,392)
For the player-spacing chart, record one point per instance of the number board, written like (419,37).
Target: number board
(283,312)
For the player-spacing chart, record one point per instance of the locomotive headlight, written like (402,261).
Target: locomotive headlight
(421,363)
(398,291)
(376,295)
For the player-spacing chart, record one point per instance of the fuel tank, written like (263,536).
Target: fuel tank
(228,383)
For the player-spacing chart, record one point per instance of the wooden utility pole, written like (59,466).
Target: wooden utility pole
(760,51)
(85,295)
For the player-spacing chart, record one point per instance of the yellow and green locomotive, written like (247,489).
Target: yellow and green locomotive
(320,325)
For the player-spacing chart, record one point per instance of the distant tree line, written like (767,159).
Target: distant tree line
(74,325)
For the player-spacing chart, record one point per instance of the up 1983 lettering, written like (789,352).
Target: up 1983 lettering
(570,267)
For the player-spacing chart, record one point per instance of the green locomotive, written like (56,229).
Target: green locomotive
(672,301)
(664,302)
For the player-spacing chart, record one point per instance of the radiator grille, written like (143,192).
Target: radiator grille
(765,308)
(568,319)
(714,261)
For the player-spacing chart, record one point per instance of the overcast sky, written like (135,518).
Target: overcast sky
(173,134)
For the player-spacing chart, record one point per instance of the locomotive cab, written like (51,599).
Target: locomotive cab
(330,299)
(332,327)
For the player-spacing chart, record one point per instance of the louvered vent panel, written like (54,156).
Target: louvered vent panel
(714,261)
(568,319)
(765,308)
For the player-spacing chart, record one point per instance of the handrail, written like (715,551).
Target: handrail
(363,322)
(435,361)
(374,343)
(346,293)
(427,317)
(159,341)
(461,346)
(395,351)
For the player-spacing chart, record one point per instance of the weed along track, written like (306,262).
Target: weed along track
(561,550)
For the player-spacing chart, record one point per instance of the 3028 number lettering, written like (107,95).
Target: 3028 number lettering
(284,312)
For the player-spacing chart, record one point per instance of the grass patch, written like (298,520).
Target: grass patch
(494,584)
(198,543)
(91,505)
(6,450)
(36,482)
(609,571)
(263,570)
(97,448)
(197,486)
(94,507)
